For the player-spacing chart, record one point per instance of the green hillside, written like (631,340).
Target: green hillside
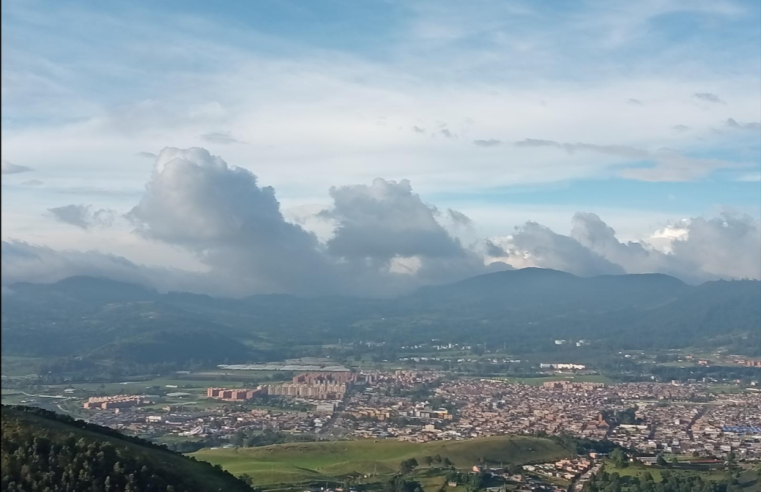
(294,463)
(42,451)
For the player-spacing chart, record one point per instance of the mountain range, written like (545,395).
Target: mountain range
(527,309)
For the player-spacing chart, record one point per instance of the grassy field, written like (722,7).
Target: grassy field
(294,463)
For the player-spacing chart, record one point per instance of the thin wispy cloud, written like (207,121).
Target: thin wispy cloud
(83,216)
(491,142)
(666,164)
(707,96)
(224,138)
(11,168)
(753,125)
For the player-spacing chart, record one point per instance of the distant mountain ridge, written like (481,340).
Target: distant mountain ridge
(530,307)
(537,285)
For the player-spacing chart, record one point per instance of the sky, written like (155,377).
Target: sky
(373,147)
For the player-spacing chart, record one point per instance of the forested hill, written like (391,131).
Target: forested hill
(526,309)
(45,451)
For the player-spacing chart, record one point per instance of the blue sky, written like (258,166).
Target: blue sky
(509,111)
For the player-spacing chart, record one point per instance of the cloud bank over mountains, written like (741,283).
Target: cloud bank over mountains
(386,240)
(700,249)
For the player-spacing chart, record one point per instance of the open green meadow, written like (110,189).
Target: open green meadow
(304,462)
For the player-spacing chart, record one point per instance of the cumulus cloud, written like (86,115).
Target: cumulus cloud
(386,228)
(494,250)
(224,138)
(384,220)
(707,96)
(487,143)
(536,245)
(635,102)
(219,212)
(147,155)
(33,182)
(83,216)
(680,128)
(447,133)
(11,168)
(722,247)
(418,129)
(696,250)
(459,218)
(595,235)
(385,240)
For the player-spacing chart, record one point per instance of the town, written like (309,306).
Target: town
(422,406)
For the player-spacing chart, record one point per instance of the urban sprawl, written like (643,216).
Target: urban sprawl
(674,418)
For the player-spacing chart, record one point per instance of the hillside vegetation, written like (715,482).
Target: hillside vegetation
(42,451)
(304,462)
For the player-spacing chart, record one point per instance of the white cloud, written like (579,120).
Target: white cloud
(224,138)
(667,164)
(11,168)
(386,240)
(694,250)
(23,262)
(83,216)
(314,117)
(707,96)
(751,178)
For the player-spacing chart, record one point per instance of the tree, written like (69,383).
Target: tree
(408,466)
(476,481)
(731,459)
(453,476)
(661,460)
(619,458)
(428,460)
